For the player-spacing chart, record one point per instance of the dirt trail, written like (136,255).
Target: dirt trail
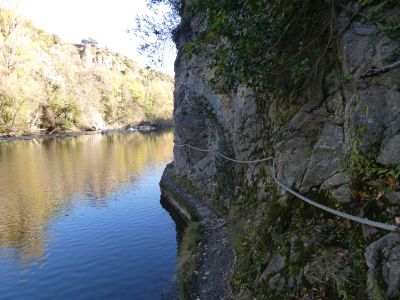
(217,254)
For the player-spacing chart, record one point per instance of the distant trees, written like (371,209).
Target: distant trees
(19,94)
(11,35)
(156,29)
(45,84)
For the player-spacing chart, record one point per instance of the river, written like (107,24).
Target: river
(80,218)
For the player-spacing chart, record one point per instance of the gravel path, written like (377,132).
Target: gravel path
(217,255)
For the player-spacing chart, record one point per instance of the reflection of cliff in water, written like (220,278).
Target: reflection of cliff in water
(170,292)
(43,179)
(180,223)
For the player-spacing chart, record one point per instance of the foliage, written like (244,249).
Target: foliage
(64,115)
(273,46)
(379,13)
(5,114)
(10,39)
(156,29)
(47,84)
(187,257)
(366,167)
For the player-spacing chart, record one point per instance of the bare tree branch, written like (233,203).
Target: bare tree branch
(380,71)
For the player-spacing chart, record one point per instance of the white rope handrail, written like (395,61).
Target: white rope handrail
(224,156)
(341,214)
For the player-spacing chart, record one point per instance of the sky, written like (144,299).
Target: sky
(104,20)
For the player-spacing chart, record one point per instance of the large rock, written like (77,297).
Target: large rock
(390,153)
(277,283)
(276,264)
(327,158)
(383,261)
(393,197)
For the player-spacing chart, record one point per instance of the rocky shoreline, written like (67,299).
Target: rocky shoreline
(214,254)
(64,134)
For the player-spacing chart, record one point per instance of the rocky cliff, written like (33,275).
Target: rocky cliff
(338,142)
(94,56)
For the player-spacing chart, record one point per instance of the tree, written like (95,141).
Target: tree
(157,28)
(19,96)
(11,36)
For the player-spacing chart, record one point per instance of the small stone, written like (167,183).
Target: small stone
(276,264)
(342,194)
(294,253)
(291,282)
(277,283)
(368,231)
(326,233)
(393,197)
(390,153)
(334,181)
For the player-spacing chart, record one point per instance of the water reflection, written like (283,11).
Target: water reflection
(41,181)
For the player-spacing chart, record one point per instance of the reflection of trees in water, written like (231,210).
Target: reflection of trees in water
(42,179)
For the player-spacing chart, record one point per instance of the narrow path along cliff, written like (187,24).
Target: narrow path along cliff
(216,254)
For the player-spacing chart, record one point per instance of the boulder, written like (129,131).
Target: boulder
(276,264)
(383,261)
(390,153)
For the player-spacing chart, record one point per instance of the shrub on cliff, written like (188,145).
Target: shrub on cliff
(271,46)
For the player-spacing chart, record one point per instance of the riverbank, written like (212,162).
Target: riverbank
(206,273)
(141,127)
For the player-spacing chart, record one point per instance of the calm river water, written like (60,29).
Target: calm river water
(80,218)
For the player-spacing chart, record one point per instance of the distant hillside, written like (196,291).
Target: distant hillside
(48,84)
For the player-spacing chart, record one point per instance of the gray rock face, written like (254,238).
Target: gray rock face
(277,283)
(311,138)
(383,260)
(368,231)
(390,153)
(276,264)
(93,56)
(327,161)
(294,253)
(394,197)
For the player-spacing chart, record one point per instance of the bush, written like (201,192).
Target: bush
(60,115)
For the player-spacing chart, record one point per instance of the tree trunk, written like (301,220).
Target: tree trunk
(35,119)
(15,117)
